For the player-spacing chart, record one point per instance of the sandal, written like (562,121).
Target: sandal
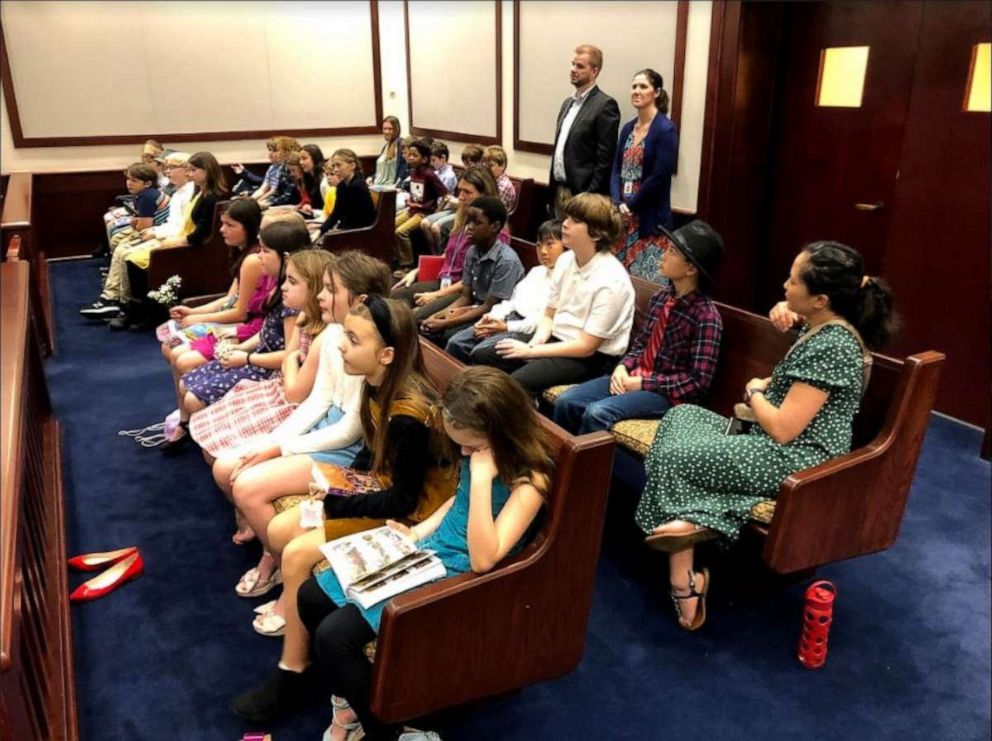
(675,542)
(250,584)
(353,730)
(265,607)
(269,624)
(700,617)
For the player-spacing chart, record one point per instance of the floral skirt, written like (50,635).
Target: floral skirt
(242,417)
(640,255)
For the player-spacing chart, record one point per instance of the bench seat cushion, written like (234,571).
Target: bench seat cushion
(551,395)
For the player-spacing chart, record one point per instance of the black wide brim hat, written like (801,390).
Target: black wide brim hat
(700,244)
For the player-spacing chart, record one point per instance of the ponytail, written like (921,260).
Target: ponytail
(876,319)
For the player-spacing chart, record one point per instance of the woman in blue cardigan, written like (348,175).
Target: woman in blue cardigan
(641,181)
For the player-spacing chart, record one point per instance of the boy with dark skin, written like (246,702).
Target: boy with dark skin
(492,269)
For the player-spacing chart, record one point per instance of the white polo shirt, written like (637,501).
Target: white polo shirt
(597,299)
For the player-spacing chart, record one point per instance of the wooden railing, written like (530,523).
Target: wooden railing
(19,242)
(37,688)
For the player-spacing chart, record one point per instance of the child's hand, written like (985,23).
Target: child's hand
(402,529)
(481,464)
(238,168)
(178,312)
(420,299)
(513,349)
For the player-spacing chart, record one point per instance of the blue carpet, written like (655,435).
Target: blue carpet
(162,657)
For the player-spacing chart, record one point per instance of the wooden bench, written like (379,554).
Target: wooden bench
(377,240)
(204,269)
(19,242)
(478,635)
(848,506)
(37,686)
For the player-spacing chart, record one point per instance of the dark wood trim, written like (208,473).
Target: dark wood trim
(458,135)
(28,142)
(681,36)
(376,64)
(704,194)
(7,83)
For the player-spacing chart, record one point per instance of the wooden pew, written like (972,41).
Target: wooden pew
(19,241)
(37,688)
(204,269)
(377,240)
(479,635)
(846,507)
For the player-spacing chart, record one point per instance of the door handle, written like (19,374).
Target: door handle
(876,206)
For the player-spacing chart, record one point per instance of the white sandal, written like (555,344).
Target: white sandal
(249,585)
(269,624)
(266,607)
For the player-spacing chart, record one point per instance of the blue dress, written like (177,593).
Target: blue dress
(211,381)
(449,541)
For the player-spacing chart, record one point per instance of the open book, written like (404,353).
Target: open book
(343,482)
(377,564)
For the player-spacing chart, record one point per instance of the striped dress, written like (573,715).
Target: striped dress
(247,413)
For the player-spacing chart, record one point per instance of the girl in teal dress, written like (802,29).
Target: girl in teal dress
(504,473)
(702,483)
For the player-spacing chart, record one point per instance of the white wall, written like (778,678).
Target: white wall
(394,88)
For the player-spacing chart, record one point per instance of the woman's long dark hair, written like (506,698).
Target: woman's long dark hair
(215,185)
(838,272)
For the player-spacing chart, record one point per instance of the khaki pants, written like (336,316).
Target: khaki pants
(406,224)
(562,194)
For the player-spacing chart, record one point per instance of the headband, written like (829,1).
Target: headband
(381,317)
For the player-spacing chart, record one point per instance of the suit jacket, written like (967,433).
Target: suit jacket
(591,143)
(652,202)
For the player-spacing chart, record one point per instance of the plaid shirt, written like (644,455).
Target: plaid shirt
(686,362)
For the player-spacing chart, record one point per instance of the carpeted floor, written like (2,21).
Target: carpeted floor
(162,657)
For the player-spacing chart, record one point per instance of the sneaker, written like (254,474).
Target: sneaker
(101,308)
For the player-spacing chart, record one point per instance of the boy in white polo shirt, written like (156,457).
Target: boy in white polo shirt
(586,326)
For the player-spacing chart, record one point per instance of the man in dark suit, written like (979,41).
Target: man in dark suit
(586,133)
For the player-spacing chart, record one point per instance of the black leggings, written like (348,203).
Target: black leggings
(338,636)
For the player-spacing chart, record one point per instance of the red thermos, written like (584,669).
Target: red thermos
(817,616)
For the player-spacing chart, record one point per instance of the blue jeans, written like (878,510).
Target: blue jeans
(589,406)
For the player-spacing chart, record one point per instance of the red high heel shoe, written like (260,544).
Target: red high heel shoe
(96,561)
(130,568)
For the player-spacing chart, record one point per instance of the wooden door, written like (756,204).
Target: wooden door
(904,177)
(834,168)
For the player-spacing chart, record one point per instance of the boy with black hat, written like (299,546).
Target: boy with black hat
(673,357)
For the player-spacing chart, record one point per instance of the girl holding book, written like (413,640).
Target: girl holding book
(407,451)
(408,456)
(503,476)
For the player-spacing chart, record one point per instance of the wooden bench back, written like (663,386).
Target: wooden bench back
(377,240)
(528,617)
(204,269)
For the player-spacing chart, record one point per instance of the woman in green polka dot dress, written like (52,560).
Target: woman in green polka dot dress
(702,483)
